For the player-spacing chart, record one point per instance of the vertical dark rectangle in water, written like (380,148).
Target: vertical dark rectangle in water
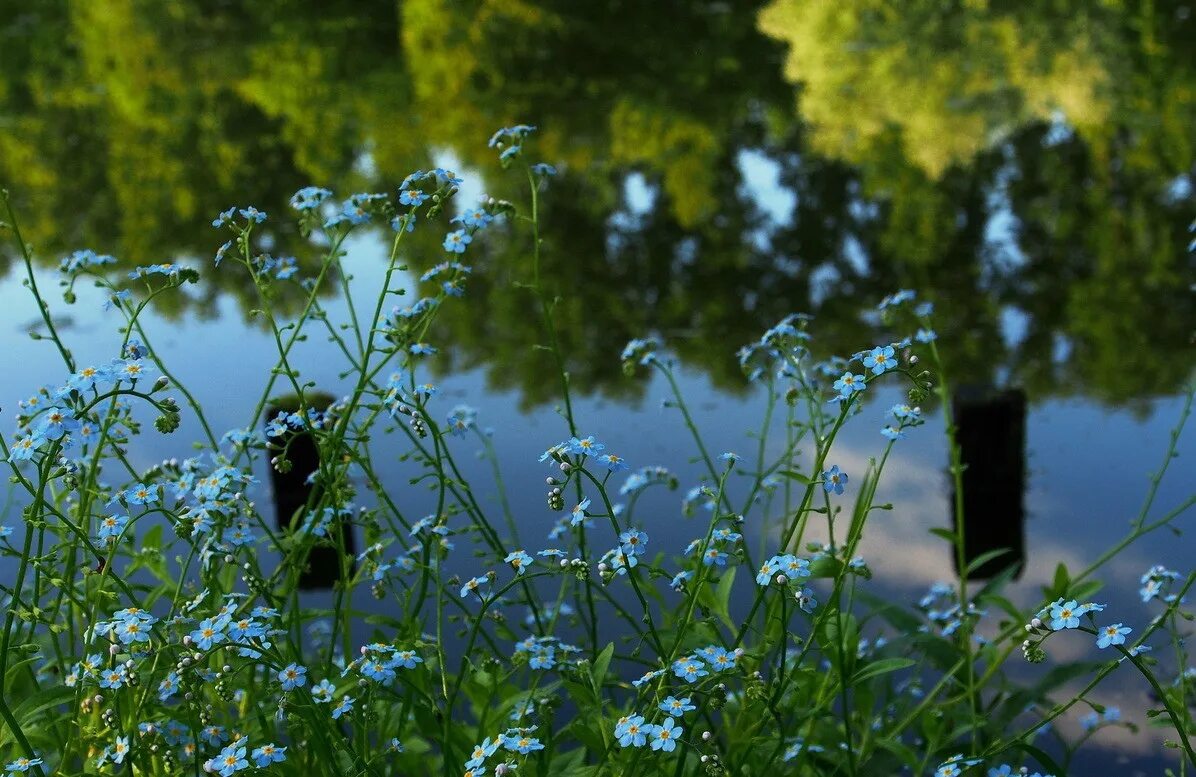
(292,493)
(991,434)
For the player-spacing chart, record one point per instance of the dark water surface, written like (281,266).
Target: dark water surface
(1029,168)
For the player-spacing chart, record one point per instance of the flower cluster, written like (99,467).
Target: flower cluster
(168,607)
(634,731)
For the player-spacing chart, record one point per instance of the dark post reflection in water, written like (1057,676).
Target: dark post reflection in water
(292,493)
(991,432)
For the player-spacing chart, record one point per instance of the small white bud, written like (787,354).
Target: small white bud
(706,735)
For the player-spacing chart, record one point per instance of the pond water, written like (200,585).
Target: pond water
(720,165)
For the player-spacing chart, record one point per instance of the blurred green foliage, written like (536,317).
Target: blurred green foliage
(909,135)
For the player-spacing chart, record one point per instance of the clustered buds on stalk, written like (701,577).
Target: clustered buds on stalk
(581,570)
(713,765)
(170,418)
(556,500)
(1032,648)
(418,426)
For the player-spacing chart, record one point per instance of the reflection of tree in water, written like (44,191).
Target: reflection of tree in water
(154,117)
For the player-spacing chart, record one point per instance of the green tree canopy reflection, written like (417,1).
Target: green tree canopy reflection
(905,138)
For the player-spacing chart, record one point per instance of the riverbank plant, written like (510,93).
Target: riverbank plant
(154,621)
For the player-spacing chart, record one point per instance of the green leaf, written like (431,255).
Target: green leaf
(717,598)
(601,664)
(12,668)
(825,566)
(1084,591)
(587,735)
(153,538)
(572,764)
(986,557)
(997,581)
(800,478)
(907,756)
(723,594)
(883,666)
(942,653)
(1062,581)
(1044,760)
(1006,606)
(902,619)
(839,638)
(34,705)
(946,534)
